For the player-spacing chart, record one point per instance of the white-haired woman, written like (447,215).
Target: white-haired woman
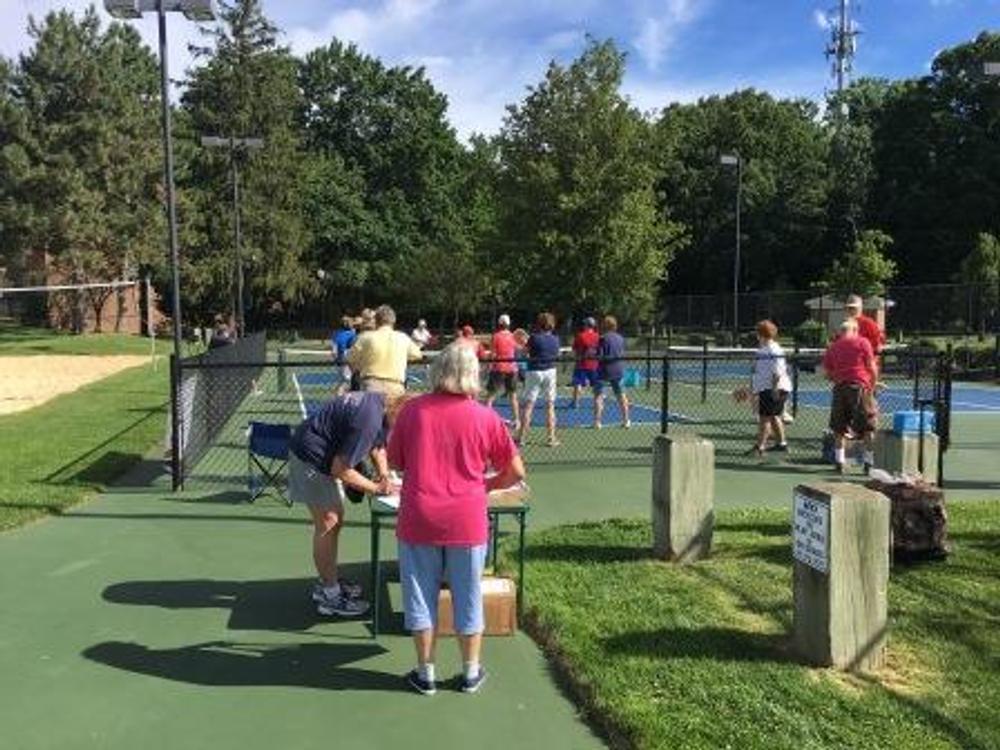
(444,442)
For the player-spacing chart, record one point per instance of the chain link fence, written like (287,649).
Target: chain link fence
(670,391)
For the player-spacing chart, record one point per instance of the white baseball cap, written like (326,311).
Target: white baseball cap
(504,320)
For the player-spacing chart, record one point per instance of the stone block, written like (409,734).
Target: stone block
(841,575)
(683,497)
(900,454)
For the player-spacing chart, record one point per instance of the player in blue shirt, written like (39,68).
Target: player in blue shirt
(340,342)
(540,379)
(611,350)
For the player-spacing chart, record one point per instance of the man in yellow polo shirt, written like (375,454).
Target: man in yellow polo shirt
(380,356)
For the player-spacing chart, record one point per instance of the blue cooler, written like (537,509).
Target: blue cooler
(908,422)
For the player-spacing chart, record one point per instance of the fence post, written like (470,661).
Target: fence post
(795,380)
(282,383)
(665,396)
(704,371)
(649,362)
(943,418)
(996,356)
(915,368)
(176,461)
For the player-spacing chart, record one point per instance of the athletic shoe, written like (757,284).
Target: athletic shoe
(598,426)
(754,451)
(341,606)
(553,442)
(787,418)
(472,686)
(867,468)
(841,468)
(351,588)
(627,424)
(422,686)
(778,448)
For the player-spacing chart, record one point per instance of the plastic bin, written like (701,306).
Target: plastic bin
(904,422)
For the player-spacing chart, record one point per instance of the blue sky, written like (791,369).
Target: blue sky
(483,53)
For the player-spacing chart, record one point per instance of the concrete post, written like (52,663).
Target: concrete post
(840,543)
(900,454)
(683,496)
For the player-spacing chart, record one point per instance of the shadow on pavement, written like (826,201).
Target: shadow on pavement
(228,663)
(278,604)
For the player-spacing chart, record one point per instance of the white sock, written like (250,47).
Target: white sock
(470,669)
(839,457)
(332,592)
(426,671)
(869,458)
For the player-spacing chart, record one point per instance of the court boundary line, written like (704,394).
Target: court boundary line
(298,392)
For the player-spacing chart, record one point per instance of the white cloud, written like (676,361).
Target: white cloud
(821,19)
(658,29)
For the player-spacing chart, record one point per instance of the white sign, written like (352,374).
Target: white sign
(811,533)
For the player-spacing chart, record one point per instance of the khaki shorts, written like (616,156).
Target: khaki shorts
(854,408)
(388,387)
(309,486)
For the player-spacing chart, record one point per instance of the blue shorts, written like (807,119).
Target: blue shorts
(584,377)
(422,568)
(615,383)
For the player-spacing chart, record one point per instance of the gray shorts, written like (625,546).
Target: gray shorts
(311,487)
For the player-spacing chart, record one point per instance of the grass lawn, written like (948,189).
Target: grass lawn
(661,656)
(57,454)
(28,340)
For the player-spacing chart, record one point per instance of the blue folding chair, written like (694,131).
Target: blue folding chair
(267,456)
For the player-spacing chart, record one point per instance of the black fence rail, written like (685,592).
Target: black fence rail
(680,390)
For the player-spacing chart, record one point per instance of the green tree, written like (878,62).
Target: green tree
(82,167)
(581,228)
(383,132)
(981,268)
(247,88)
(785,185)
(865,269)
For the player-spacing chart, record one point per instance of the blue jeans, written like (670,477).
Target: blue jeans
(423,567)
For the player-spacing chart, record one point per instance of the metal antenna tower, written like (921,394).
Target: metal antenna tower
(843,42)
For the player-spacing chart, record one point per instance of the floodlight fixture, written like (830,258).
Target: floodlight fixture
(735,160)
(193,10)
(729,160)
(991,68)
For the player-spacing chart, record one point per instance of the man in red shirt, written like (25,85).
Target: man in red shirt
(585,348)
(503,370)
(850,364)
(867,328)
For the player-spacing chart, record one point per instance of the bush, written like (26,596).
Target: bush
(810,333)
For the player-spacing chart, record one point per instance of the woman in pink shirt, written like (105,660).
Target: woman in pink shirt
(444,442)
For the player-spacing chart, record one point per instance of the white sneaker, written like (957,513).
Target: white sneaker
(627,424)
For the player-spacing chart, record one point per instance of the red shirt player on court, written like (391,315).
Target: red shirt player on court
(850,364)
(868,329)
(585,345)
(503,370)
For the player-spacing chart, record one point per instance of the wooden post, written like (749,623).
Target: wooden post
(683,495)
(840,542)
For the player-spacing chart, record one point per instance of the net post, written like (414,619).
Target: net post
(282,377)
(795,380)
(665,396)
(176,463)
(649,362)
(704,371)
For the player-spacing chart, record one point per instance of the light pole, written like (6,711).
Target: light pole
(735,160)
(237,147)
(195,10)
(993,69)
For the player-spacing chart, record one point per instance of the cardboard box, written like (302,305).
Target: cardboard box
(499,608)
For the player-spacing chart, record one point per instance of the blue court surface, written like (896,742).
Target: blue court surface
(315,388)
(965,399)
